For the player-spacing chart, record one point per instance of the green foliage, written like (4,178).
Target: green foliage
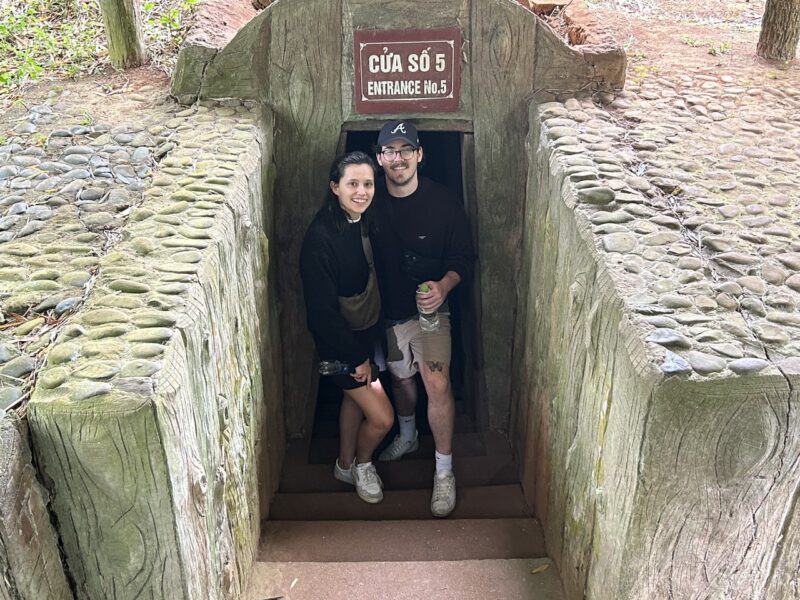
(692,42)
(165,22)
(714,48)
(719,49)
(38,39)
(642,72)
(66,38)
(170,17)
(87,120)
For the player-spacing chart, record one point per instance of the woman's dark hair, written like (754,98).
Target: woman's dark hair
(332,208)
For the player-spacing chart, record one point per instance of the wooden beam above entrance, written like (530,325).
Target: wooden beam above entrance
(459,125)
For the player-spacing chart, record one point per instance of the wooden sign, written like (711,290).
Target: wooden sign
(407,70)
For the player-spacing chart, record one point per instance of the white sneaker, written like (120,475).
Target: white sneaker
(443,500)
(399,447)
(369,486)
(345,475)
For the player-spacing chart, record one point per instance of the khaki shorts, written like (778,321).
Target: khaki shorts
(407,344)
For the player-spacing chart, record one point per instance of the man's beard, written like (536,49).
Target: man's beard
(401,178)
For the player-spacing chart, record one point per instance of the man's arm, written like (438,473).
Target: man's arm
(459,255)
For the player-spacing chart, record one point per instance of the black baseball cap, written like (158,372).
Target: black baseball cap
(398,130)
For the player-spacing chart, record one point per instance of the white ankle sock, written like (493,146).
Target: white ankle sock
(444,463)
(408,427)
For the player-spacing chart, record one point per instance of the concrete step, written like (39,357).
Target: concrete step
(406,474)
(503,579)
(481,459)
(325,450)
(488,502)
(386,541)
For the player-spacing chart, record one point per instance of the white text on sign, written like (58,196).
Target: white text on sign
(409,87)
(389,62)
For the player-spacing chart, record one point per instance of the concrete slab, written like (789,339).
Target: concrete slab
(406,474)
(326,449)
(517,579)
(354,541)
(480,459)
(490,502)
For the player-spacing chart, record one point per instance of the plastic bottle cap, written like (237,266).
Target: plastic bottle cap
(423,287)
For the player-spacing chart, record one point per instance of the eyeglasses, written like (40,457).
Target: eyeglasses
(405,153)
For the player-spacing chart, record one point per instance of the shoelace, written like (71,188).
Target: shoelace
(443,487)
(367,474)
(400,446)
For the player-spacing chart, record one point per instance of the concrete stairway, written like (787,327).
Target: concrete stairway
(444,559)
(323,543)
(485,476)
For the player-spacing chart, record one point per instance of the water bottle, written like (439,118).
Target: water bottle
(333,367)
(428,321)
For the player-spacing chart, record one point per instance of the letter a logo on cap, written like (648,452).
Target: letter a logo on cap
(396,130)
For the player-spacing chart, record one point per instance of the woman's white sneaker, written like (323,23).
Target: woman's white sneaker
(344,475)
(369,486)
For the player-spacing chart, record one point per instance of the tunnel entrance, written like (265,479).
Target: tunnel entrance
(327,75)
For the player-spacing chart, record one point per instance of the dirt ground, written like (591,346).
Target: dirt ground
(671,38)
(662,38)
(99,98)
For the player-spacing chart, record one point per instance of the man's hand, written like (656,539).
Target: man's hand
(438,291)
(363,372)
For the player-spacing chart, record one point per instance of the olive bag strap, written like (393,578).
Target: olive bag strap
(363,310)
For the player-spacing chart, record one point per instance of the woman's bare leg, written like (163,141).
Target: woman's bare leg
(350,419)
(379,418)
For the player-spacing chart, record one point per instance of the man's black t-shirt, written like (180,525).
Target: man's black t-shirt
(430,223)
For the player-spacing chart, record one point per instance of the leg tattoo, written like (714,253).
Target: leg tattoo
(435,366)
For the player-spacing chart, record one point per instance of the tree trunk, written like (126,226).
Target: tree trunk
(123,23)
(780,30)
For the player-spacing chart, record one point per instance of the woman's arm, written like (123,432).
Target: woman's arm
(332,334)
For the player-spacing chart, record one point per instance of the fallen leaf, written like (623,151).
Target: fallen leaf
(540,569)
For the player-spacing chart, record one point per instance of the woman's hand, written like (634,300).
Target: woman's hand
(363,372)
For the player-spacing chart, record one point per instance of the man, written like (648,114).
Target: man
(423,237)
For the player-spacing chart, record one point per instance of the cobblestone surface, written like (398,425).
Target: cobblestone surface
(100,228)
(691,188)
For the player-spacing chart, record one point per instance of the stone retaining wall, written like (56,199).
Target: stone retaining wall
(157,411)
(658,429)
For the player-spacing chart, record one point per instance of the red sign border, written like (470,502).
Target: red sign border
(438,34)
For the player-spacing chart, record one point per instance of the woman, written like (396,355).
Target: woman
(343,306)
